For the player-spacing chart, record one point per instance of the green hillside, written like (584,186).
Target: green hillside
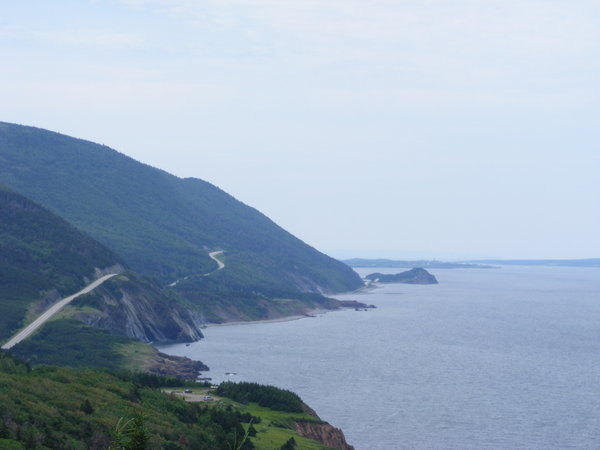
(64,409)
(59,408)
(67,342)
(41,256)
(44,258)
(162,225)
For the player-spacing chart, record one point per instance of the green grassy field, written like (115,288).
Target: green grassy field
(273,430)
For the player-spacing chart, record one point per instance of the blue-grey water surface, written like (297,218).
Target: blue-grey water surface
(489,358)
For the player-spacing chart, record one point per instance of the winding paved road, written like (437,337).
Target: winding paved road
(213,256)
(43,318)
(46,315)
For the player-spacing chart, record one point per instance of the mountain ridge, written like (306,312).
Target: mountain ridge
(164,226)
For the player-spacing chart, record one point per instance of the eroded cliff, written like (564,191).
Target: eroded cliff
(133,306)
(324,433)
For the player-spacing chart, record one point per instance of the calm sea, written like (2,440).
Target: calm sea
(489,358)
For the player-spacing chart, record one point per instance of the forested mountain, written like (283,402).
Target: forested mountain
(44,258)
(162,225)
(102,212)
(41,257)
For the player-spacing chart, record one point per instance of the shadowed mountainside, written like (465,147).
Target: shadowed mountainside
(42,258)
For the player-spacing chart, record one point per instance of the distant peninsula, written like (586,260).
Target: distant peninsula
(414,276)
(429,264)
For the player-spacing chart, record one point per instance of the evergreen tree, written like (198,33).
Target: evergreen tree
(86,407)
(289,445)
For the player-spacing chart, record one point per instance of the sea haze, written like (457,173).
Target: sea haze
(494,358)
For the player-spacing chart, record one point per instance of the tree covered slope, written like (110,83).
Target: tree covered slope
(162,225)
(44,258)
(87,409)
(41,255)
(57,408)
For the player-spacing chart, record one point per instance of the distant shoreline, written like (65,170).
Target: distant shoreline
(313,313)
(410,264)
(310,314)
(469,264)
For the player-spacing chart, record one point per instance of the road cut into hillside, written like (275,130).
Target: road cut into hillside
(46,315)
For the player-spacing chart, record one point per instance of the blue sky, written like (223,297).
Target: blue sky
(431,128)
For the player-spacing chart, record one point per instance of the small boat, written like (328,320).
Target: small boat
(230,373)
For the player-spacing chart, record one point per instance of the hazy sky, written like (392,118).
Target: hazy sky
(395,128)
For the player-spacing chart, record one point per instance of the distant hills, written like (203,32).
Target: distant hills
(164,227)
(418,275)
(590,262)
(471,264)
(429,264)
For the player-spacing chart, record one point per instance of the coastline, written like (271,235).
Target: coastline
(310,314)
(324,432)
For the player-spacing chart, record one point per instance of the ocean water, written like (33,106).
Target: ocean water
(489,358)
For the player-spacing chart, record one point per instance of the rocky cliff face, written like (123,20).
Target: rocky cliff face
(135,307)
(174,366)
(98,272)
(323,432)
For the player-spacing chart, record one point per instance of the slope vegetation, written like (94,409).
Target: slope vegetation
(42,258)
(162,225)
(59,408)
